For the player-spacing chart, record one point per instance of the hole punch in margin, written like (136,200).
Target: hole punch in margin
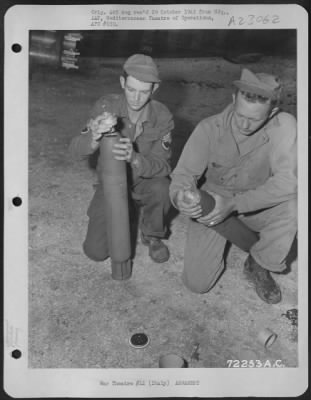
(16,48)
(16,354)
(17,201)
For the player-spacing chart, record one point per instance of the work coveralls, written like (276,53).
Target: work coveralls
(148,173)
(260,174)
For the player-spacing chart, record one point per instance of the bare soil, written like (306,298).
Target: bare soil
(78,316)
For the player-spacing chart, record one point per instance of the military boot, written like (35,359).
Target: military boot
(158,251)
(265,286)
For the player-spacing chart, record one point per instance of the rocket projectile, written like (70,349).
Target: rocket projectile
(114,182)
(232,228)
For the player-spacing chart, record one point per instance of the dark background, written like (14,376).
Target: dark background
(188,43)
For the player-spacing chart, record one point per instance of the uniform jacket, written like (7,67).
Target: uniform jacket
(150,136)
(258,173)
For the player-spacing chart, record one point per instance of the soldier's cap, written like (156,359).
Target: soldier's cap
(262,84)
(142,67)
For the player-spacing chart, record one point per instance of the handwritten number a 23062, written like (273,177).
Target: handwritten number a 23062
(252,19)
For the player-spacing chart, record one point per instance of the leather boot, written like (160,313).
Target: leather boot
(265,286)
(158,251)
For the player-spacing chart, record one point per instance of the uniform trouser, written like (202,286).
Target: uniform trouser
(151,194)
(204,250)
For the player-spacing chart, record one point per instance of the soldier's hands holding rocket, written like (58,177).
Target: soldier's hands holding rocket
(99,125)
(123,150)
(223,207)
(186,207)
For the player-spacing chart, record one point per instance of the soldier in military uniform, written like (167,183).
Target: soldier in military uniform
(248,157)
(145,126)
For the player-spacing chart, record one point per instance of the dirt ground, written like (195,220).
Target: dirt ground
(78,316)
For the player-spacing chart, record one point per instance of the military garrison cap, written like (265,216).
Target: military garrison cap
(262,84)
(142,67)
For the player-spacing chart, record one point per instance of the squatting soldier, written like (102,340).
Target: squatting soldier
(248,157)
(145,125)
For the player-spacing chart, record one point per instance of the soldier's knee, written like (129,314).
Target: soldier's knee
(94,252)
(293,209)
(289,211)
(195,285)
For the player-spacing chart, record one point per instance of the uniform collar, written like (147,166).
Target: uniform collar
(274,121)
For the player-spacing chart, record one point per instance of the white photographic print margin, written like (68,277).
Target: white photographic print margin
(51,289)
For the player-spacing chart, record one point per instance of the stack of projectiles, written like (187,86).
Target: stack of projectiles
(54,48)
(70,53)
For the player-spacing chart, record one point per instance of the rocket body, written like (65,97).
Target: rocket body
(232,228)
(114,182)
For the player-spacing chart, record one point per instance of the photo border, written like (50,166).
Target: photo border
(84,383)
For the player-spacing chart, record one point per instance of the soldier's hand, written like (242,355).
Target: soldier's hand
(224,206)
(99,125)
(123,150)
(189,210)
(102,123)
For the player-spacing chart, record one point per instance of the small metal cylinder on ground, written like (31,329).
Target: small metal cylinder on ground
(171,361)
(267,337)
(114,181)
